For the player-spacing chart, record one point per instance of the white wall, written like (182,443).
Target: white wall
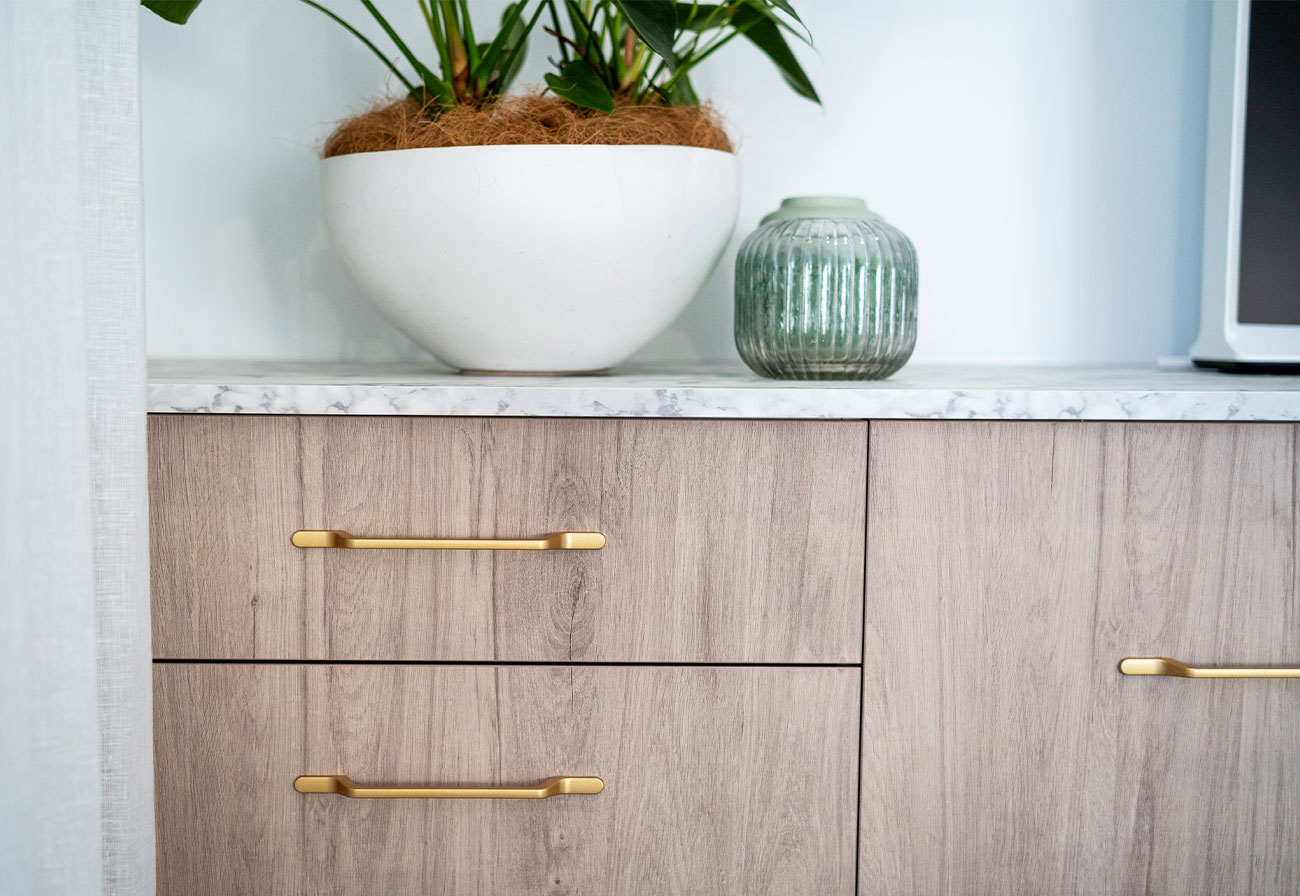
(1045,156)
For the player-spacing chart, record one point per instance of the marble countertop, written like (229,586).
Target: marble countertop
(722,391)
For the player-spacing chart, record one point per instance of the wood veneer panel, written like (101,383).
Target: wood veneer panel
(728,541)
(718,780)
(1010,567)
(220,507)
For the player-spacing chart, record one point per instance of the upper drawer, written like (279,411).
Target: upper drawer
(726,541)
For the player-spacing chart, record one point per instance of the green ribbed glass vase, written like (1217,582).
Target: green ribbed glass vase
(825,290)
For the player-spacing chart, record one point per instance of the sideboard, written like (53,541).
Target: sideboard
(416,633)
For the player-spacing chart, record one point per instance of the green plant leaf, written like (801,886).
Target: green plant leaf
(786,8)
(431,81)
(765,34)
(701,16)
(365,40)
(682,93)
(578,83)
(512,59)
(767,8)
(505,54)
(175,11)
(655,22)
(439,92)
(578,21)
(434,24)
(467,32)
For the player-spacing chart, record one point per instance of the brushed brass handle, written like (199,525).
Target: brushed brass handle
(556,541)
(345,786)
(1159,665)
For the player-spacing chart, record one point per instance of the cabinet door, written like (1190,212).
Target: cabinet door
(717,781)
(1011,566)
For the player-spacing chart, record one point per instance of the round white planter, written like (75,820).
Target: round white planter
(531,258)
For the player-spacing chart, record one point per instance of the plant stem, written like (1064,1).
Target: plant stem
(687,65)
(564,39)
(705,54)
(471,42)
(592,35)
(555,21)
(428,19)
(435,30)
(361,37)
(458,60)
(635,65)
(586,19)
(629,47)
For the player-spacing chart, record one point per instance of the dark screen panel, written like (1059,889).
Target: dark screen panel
(1269,288)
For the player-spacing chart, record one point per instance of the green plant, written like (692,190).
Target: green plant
(175,11)
(469,72)
(643,51)
(639,51)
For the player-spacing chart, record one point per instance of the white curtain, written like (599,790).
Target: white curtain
(76,804)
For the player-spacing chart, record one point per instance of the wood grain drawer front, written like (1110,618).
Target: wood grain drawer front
(1012,567)
(726,541)
(717,780)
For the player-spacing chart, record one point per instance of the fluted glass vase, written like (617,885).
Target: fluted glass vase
(825,290)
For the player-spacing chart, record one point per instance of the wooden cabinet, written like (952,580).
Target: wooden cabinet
(1011,566)
(703,663)
(717,780)
(726,541)
(713,663)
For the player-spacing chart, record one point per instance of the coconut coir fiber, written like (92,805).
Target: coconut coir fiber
(526,119)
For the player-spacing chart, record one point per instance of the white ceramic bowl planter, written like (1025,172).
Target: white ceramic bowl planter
(539,259)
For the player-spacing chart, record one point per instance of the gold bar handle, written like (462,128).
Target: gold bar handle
(345,786)
(556,541)
(1159,665)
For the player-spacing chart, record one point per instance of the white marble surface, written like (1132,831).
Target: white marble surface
(949,392)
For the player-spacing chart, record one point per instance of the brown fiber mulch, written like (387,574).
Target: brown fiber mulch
(529,119)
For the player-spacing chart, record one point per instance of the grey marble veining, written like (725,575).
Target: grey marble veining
(722,391)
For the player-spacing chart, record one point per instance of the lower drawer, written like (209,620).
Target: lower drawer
(717,780)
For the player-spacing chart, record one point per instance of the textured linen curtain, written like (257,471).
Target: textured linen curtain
(76,803)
